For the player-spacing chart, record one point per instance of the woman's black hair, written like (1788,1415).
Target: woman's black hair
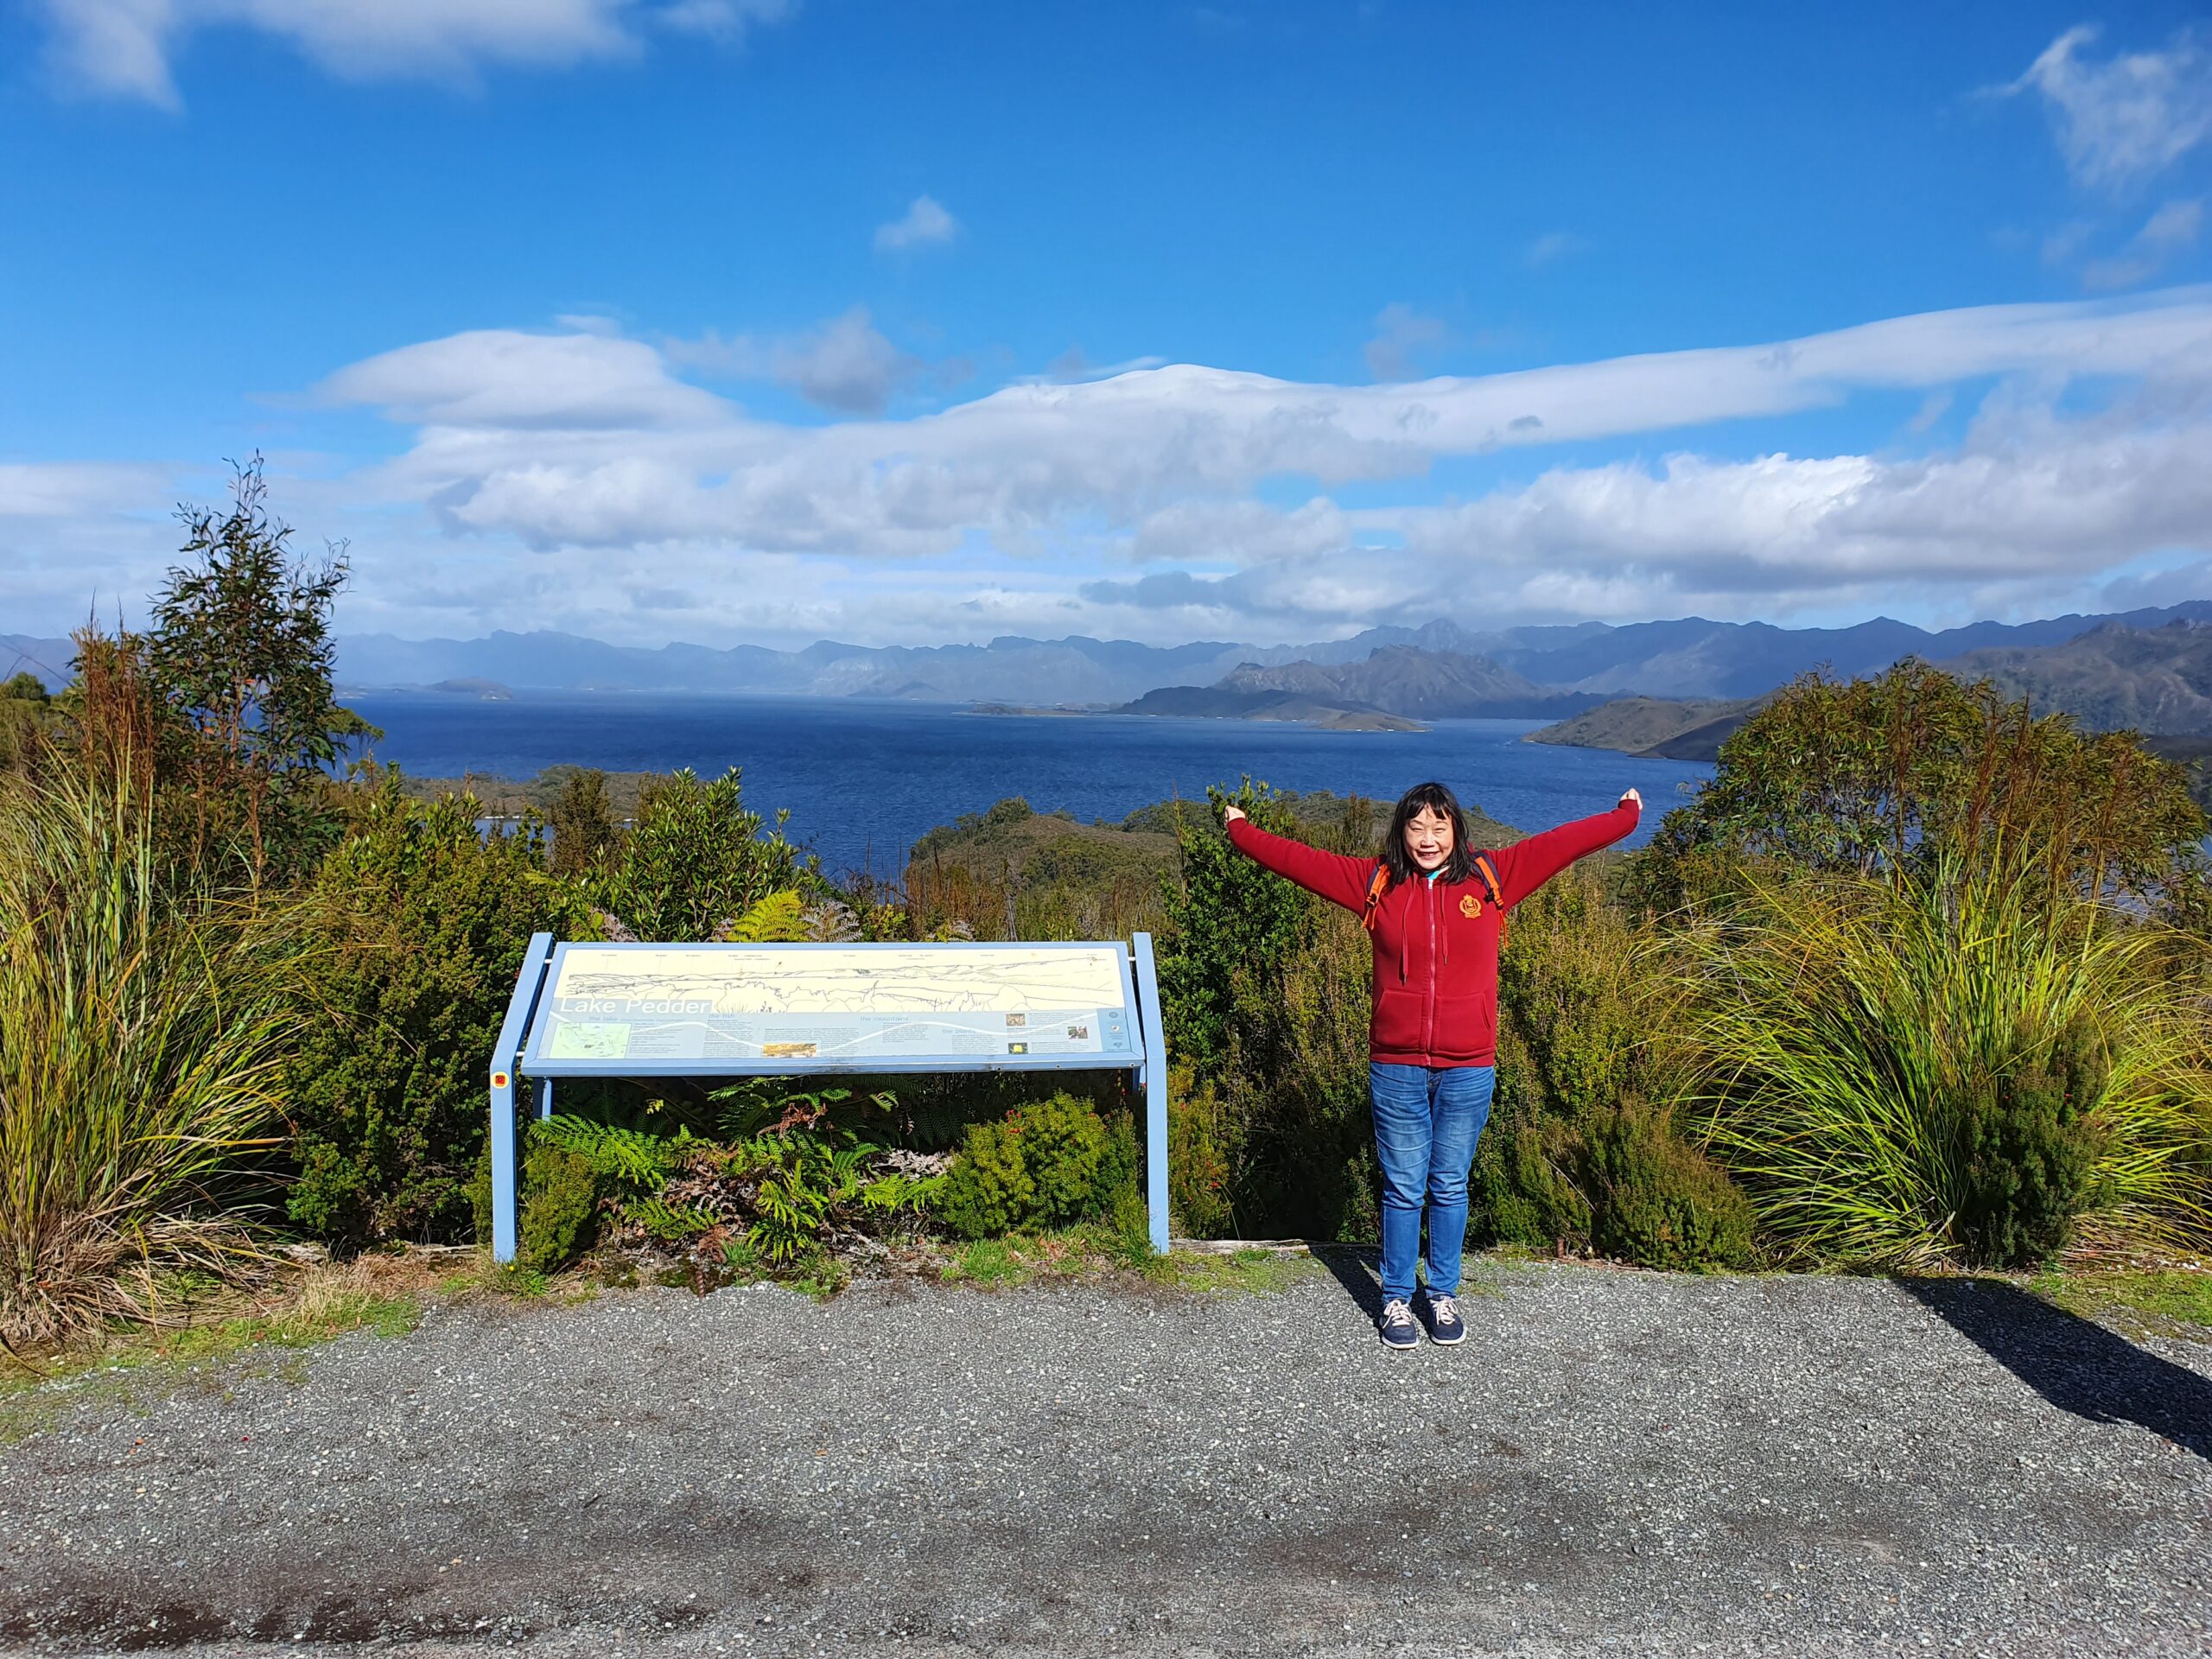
(1439,799)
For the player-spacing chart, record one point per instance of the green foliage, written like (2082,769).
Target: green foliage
(581,817)
(1197,1173)
(561,1200)
(1952,1067)
(1045,1163)
(1231,927)
(987,1191)
(1522,1190)
(629,1158)
(1573,1156)
(1887,775)
(417,926)
(240,649)
(144,1031)
(779,917)
(1063,1145)
(695,860)
(26,718)
(1659,1202)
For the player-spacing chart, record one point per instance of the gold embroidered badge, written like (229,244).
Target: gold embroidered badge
(1470,905)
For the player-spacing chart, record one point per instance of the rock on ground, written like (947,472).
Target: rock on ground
(1614,1463)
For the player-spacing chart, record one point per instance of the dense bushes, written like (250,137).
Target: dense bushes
(1950,1067)
(1581,1152)
(416,927)
(695,860)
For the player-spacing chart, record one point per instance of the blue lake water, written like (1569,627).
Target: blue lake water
(864,779)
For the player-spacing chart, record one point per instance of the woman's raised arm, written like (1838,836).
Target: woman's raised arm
(1527,865)
(1337,877)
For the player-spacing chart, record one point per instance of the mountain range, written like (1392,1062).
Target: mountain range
(2152,680)
(1519,666)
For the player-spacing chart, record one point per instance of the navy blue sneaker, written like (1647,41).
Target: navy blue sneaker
(1445,1325)
(1397,1327)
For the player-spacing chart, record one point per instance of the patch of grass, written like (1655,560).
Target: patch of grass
(990,1262)
(1241,1273)
(2171,1301)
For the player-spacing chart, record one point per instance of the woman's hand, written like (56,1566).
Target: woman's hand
(1632,799)
(1231,813)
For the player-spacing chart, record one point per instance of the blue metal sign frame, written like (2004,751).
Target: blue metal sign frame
(520,1043)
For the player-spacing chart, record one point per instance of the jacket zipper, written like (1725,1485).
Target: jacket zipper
(1429,1027)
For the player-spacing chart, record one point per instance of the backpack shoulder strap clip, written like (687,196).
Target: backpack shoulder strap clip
(1377,885)
(1486,873)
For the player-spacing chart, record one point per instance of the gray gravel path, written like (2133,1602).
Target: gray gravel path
(1614,1463)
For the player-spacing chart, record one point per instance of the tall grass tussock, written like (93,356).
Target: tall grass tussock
(145,1024)
(1951,1064)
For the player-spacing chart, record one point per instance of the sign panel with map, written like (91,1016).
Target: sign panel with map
(637,1010)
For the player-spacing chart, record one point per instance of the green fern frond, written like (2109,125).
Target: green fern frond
(670,1221)
(630,1155)
(779,918)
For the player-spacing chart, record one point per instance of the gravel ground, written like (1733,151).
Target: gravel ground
(1614,1463)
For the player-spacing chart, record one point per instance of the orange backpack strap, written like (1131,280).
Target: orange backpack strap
(1377,885)
(1487,871)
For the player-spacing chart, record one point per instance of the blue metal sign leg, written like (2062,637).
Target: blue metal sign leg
(505,1172)
(1154,1075)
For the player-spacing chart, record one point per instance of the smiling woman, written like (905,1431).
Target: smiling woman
(1433,1037)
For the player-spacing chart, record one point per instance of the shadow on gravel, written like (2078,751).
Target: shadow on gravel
(2075,1363)
(1352,1264)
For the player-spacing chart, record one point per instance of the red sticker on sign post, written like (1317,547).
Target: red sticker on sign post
(499,1079)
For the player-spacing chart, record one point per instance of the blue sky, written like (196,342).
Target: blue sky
(775,320)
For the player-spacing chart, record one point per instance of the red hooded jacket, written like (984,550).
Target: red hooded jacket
(1436,942)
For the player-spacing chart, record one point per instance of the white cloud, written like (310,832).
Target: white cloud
(1402,337)
(923,223)
(125,48)
(1183,499)
(498,378)
(1160,467)
(2169,231)
(2123,119)
(845,363)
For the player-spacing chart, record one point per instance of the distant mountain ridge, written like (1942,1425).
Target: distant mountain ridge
(2152,679)
(2156,680)
(1406,681)
(1689,657)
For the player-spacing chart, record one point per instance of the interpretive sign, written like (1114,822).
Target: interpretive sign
(589,1010)
(629,1010)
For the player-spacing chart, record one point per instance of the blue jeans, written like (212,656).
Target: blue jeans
(1426,1121)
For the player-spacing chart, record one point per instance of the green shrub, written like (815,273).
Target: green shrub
(1890,774)
(2028,1147)
(415,928)
(1046,1163)
(561,1200)
(1952,1067)
(1519,1192)
(988,1190)
(1197,1173)
(695,861)
(1121,1168)
(1572,1158)
(1658,1201)
(1062,1144)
